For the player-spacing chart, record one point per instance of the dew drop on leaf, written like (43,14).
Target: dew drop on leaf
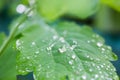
(96,76)
(27,57)
(88,41)
(99,44)
(90,70)
(18,44)
(73,56)
(84,77)
(33,44)
(55,37)
(49,48)
(63,49)
(70,62)
(72,47)
(37,52)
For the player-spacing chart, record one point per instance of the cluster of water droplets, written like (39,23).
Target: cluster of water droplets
(19,45)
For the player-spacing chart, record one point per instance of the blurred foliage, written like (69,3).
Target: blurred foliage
(107,20)
(53,9)
(115,4)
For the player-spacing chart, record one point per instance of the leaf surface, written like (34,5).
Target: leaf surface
(7,61)
(63,52)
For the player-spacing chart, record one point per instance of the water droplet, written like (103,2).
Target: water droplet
(73,56)
(70,62)
(55,37)
(33,44)
(27,57)
(99,44)
(72,47)
(98,67)
(103,49)
(21,71)
(88,56)
(74,42)
(62,50)
(96,75)
(101,66)
(90,70)
(37,52)
(92,79)
(84,77)
(91,58)
(28,70)
(49,48)
(62,39)
(88,41)
(21,8)
(18,44)
(73,67)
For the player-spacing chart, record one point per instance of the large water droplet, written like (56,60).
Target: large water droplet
(21,8)
(99,44)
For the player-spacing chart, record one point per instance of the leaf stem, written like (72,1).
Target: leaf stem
(12,34)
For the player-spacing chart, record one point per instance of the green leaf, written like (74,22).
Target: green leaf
(63,52)
(53,9)
(7,62)
(115,4)
(2,38)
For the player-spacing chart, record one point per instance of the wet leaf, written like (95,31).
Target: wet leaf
(63,52)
